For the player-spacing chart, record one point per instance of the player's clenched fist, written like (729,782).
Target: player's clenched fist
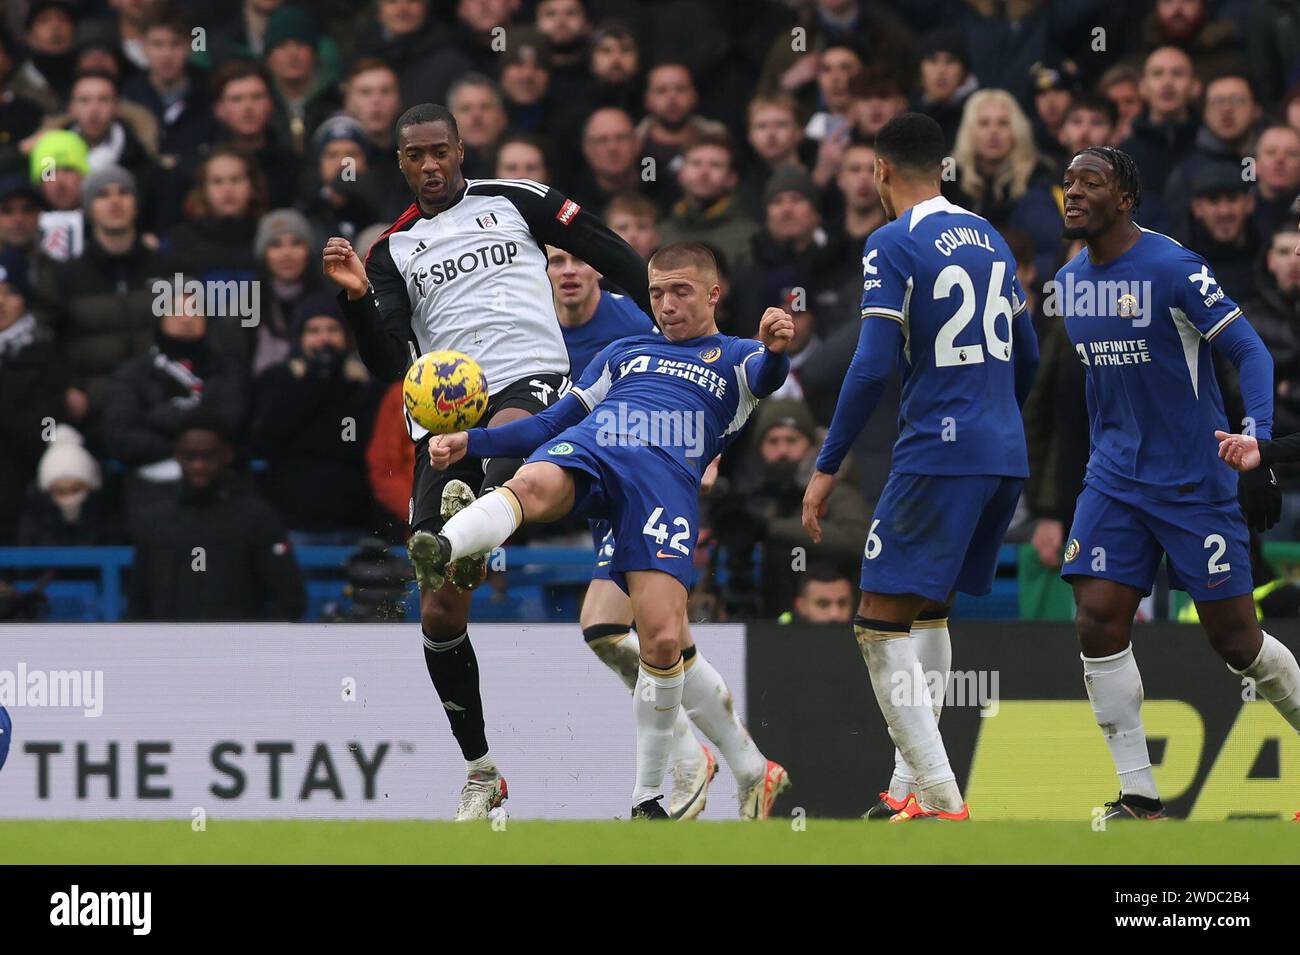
(776,329)
(1241,451)
(446,449)
(342,264)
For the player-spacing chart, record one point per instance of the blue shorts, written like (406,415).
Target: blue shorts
(1208,545)
(602,535)
(932,534)
(652,505)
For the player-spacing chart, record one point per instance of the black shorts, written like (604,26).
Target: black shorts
(533,394)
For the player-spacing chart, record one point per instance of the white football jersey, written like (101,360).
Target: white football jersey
(472,278)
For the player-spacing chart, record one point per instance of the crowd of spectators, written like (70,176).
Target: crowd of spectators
(209,144)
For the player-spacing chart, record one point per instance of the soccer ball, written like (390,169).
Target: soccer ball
(445,391)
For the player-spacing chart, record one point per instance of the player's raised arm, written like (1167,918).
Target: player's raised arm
(375,302)
(775,331)
(557,220)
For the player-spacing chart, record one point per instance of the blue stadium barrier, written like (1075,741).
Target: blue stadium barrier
(540,583)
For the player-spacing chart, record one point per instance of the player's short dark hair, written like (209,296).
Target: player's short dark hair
(912,141)
(1094,103)
(1124,168)
(427,113)
(676,255)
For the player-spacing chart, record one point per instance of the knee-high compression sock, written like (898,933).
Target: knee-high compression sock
(454,670)
(707,700)
(656,702)
(904,699)
(618,648)
(485,524)
(1115,690)
(933,648)
(1277,678)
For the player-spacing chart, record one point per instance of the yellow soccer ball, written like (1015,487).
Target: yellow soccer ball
(445,391)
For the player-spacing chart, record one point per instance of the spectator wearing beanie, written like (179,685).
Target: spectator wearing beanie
(792,250)
(149,396)
(339,195)
(58,165)
(32,391)
(99,304)
(285,247)
(946,80)
(312,420)
(45,76)
(304,92)
(67,508)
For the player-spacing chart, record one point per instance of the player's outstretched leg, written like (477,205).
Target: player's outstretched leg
(883,627)
(453,668)
(693,765)
(709,703)
(659,604)
(933,645)
(1104,617)
(1253,653)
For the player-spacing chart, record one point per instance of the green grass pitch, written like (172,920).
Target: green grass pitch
(821,841)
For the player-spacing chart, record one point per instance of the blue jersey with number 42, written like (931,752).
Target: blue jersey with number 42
(686,399)
(949,280)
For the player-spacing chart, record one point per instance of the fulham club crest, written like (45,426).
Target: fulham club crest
(487,221)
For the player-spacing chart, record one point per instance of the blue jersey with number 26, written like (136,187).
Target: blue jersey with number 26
(949,280)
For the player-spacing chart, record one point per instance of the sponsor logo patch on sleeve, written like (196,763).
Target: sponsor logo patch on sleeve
(567,211)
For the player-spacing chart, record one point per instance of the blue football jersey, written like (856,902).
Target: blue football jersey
(949,279)
(1142,326)
(617,316)
(686,399)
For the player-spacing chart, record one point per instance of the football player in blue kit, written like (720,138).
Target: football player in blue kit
(941,303)
(629,443)
(1144,313)
(590,319)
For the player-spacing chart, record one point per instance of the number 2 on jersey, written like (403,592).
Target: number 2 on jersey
(946,352)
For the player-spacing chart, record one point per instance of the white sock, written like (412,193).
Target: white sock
(623,656)
(904,699)
(1115,690)
(708,701)
(933,648)
(656,703)
(1277,678)
(483,764)
(485,524)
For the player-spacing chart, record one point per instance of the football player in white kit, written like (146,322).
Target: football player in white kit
(464,268)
